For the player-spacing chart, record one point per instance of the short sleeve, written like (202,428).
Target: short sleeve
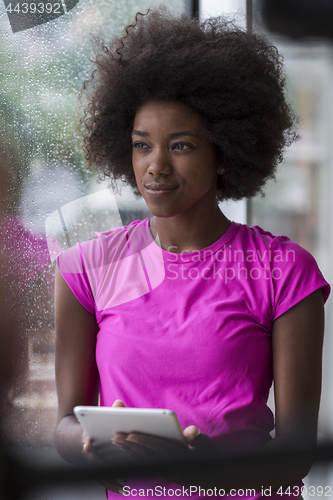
(295,275)
(71,266)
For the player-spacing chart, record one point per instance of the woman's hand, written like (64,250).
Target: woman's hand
(144,447)
(100,457)
(103,455)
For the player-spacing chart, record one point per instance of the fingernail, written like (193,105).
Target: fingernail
(131,438)
(189,429)
(120,480)
(118,402)
(121,491)
(117,440)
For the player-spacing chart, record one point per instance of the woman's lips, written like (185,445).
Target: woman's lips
(155,189)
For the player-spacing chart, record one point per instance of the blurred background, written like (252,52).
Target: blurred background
(43,173)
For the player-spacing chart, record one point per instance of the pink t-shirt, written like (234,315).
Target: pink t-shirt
(191,332)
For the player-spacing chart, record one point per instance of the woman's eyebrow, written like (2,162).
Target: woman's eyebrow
(172,136)
(179,134)
(138,132)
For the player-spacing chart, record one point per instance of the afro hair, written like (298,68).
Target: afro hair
(234,79)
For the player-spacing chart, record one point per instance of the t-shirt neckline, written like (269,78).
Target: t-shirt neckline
(202,254)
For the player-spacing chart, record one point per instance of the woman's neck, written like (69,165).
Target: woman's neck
(182,233)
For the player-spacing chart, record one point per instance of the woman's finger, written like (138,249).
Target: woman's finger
(118,404)
(137,451)
(148,446)
(88,450)
(102,453)
(200,442)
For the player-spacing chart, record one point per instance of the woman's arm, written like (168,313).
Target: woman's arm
(297,342)
(297,339)
(76,370)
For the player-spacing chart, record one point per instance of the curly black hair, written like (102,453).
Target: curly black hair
(232,78)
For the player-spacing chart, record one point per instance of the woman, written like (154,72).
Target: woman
(187,310)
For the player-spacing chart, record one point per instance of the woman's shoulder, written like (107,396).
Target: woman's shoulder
(259,237)
(257,233)
(295,272)
(280,253)
(121,230)
(101,250)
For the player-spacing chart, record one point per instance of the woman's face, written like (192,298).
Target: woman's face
(175,165)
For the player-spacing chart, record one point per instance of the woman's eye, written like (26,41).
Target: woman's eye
(181,146)
(139,145)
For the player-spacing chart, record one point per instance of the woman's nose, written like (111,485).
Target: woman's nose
(159,163)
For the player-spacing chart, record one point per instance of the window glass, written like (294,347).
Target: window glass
(45,51)
(44,60)
(230,7)
(299,203)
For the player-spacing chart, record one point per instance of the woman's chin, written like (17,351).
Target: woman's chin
(162,214)
(160,211)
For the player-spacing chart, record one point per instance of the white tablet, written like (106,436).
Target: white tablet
(101,423)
